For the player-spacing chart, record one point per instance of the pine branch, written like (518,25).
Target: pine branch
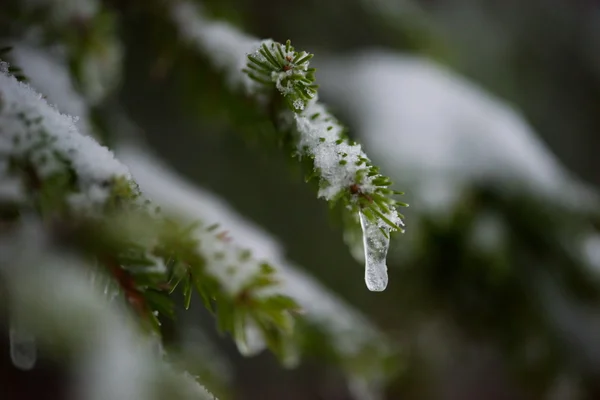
(345,175)
(72,320)
(83,32)
(344,171)
(345,333)
(80,189)
(48,71)
(10,68)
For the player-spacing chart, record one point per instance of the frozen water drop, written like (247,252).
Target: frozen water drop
(376,246)
(291,358)
(250,340)
(23,350)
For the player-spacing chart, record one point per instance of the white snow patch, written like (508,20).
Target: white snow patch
(349,330)
(591,250)
(227,46)
(55,298)
(64,11)
(101,66)
(228,49)
(47,71)
(11,189)
(320,135)
(336,161)
(101,70)
(31,128)
(488,232)
(431,126)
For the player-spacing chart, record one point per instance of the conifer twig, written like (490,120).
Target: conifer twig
(65,176)
(344,172)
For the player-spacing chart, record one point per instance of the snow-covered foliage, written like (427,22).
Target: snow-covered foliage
(489,191)
(288,69)
(344,165)
(68,174)
(48,73)
(55,299)
(441,133)
(344,172)
(590,248)
(341,165)
(65,11)
(35,134)
(444,137)
(226,45)
(70,25)
(195,347)
(125,256)
(349,333)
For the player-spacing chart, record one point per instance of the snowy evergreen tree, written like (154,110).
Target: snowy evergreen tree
(133,279)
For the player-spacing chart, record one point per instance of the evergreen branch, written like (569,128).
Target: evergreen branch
(78,185)
(48,71)
(344,170)
(351,338)
(85,35)
(345,174)
(71,318)
(10,68)
(287,69)
(148,255)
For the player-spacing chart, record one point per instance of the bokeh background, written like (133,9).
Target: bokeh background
(514,319)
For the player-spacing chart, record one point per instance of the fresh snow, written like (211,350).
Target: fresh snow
(591,250)
(337,163)
(226,46)
(113,358)
(100,68)
(440,133)
(47,71)
(224,257)
(350,331)
(65,11)
(31,128)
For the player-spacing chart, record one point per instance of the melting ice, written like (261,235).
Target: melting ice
(23,350)
(376,246)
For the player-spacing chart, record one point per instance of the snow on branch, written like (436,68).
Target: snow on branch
(64,11)
(81,187)
(348,332)
(55,298)
(73,27)
(344,172)
(222,41)
(465,137)
(46,144)
(47,71)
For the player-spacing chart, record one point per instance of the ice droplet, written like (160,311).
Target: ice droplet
(23,350)
(250,340)
(376,246)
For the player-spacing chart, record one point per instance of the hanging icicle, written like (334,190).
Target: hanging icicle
(376,245)
(23,350)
